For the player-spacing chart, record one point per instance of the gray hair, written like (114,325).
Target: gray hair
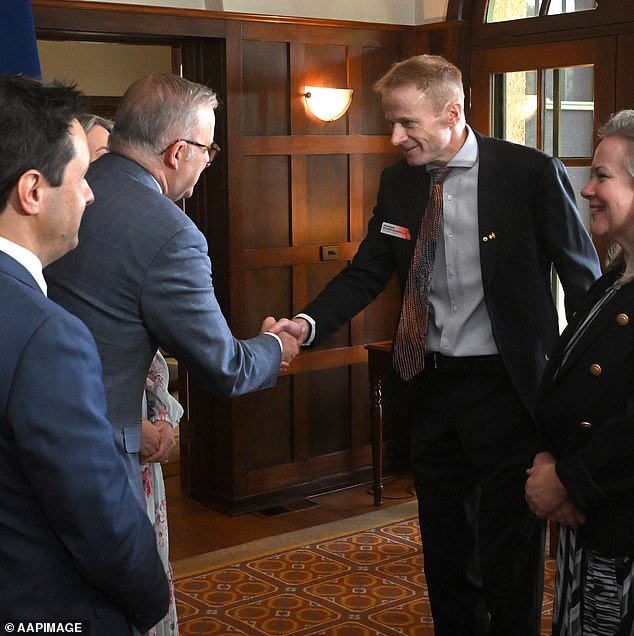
(621,125)
(158,109)
(433,75)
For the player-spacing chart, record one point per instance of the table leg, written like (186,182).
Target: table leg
(376,418)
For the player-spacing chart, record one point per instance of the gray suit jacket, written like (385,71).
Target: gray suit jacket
(141,278)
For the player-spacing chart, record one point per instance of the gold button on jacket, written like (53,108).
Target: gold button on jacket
(623,320)
(596,369)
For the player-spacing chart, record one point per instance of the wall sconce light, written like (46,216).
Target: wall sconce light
(327,104)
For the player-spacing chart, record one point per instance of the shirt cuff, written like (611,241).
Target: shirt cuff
(311,323)
(279,340)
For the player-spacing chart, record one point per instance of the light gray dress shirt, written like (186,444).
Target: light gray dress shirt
(459,324)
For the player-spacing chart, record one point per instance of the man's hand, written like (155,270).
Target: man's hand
(167,442)
(298,327)
(289,332)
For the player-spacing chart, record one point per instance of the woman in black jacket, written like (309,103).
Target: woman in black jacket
(585,409)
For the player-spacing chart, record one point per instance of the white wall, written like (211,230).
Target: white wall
(92,65)
(389,11)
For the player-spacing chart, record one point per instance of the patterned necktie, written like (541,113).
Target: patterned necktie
(409,345)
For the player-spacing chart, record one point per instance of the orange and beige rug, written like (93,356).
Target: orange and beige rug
(361,577)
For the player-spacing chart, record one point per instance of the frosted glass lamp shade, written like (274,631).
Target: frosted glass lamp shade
(327,104)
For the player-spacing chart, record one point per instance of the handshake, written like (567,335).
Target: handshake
(292,333)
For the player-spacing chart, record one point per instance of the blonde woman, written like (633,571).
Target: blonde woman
(585,480)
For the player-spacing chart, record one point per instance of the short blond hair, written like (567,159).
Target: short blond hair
(433,75)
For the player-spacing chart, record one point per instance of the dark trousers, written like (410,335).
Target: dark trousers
(472,441)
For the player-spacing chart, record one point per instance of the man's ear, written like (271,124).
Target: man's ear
(29,191)
(174,154)
(454,112)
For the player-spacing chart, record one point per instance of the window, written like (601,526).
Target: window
(502,10)
(551,109)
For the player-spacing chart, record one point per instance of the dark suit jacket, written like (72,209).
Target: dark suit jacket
(74,543)
(141,278)
(586,415)
(528,220)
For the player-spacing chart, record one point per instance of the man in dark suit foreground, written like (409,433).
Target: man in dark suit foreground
(141,276)
(508,214)
(74,543)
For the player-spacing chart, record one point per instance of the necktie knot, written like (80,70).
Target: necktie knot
(438,175)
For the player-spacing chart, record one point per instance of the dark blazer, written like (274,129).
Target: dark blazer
(528,220)
(140,278)
(74,543)
(586,415)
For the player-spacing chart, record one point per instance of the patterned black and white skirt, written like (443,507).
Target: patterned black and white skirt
(594,595)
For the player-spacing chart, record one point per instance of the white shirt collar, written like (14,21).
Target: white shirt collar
(468,154)
(26,258)
(158,185)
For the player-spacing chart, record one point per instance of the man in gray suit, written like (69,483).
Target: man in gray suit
(141,277)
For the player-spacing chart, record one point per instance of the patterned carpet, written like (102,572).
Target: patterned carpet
(338,581)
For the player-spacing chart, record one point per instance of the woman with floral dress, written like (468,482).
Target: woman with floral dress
(160,406)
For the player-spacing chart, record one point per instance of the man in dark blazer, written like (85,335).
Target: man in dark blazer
(141,276)
(75,546)
(509,213)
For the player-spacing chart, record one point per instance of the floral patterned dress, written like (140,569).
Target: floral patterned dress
(158,404)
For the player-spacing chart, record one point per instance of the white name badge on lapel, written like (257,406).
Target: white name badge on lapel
(395,230)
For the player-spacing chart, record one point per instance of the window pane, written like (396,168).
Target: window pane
(501,10)
(570,6)
(515,107)
(569,111)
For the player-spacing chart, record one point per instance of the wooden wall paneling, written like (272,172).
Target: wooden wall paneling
(622,80)
(374,63)
(329,411)
(324,66)
(359,411)
(327,199)
(122,22)
(265,104)
(269,292)
(236,228)
(267,419)
(357,180)
(266,196)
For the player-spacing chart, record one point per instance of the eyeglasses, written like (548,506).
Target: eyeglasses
(212,150)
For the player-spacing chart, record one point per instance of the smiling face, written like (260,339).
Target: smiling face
(610,193)
(426,134)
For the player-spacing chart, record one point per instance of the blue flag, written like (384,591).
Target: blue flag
(18,50)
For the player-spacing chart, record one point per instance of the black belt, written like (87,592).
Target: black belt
(463,364)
